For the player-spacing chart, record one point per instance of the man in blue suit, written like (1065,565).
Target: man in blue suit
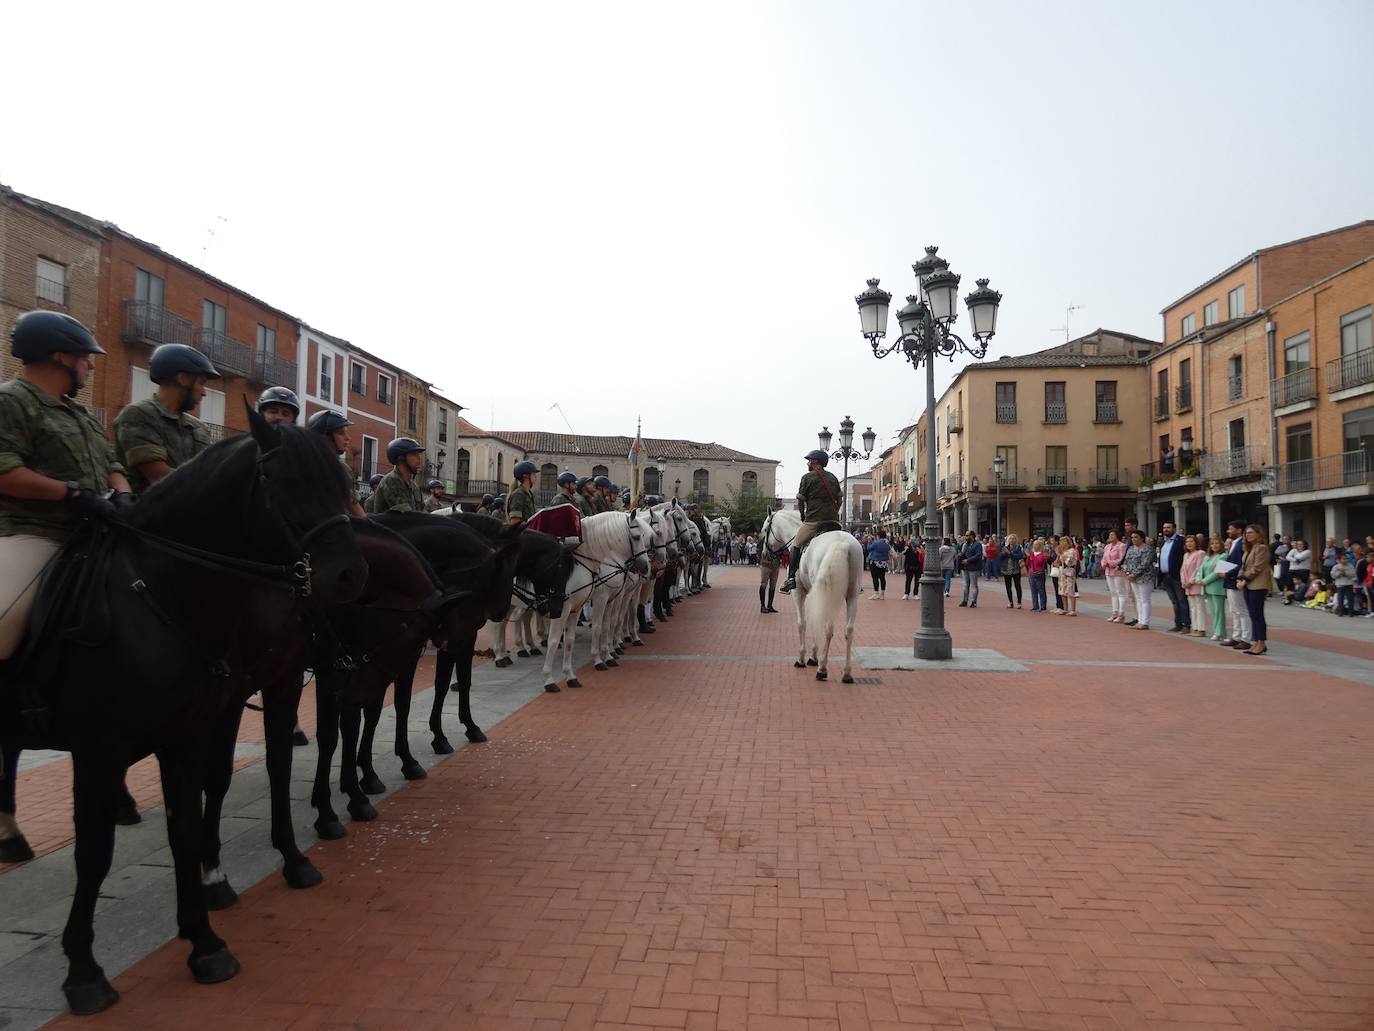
(1170,570)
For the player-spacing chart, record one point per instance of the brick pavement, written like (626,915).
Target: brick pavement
(723,842)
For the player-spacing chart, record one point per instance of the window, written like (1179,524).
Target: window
(1056,466)
(1055,408)
(701,483)
(50,282)
(948,423)
(1184,401)
(600,470)
(443,425)
(1163,445)
(1297,353)
(1185,373)
(383,388)
(1108,465)
(462,467)
(1298,442)
(1162,382)
(149,289)
(1358,432)
(1235,377)
(412,409)
(212,408)
(1105,398)
(1106,390)
(1006,402)
(548,477)
(369,457)
(326,376)
(1010,472)
(1189,325)
(652,483)
(357,379)
(1235,434)
(500,467)
(1211,313)
(1235,303)
(749,482)
(1356,331)
(213,316)
(267,340)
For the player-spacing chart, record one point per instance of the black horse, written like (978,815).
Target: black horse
(148,658)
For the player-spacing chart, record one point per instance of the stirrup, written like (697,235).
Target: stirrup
(788,585)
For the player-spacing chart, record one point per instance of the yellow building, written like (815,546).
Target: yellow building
(1071,424)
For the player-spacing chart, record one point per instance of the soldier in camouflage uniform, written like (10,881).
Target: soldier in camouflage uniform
(334,428)
(520,504)
(584,501)
(435,502)
(159,433)
(600,485)
(398,491)
(567,491)
(818,501)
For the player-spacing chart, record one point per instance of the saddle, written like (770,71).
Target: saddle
(826,526)
(559,521)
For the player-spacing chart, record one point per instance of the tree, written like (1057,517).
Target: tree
(746,509)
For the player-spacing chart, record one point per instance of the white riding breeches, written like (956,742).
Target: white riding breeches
(22,561)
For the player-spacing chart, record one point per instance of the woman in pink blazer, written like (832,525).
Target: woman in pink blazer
(1112,554)
(1190,574)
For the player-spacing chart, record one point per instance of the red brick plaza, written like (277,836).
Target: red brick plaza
(708,838)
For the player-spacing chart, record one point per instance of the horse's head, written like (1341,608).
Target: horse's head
(638,532)
(546,562)
(303,508)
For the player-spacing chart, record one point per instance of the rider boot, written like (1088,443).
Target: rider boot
(772,588)
(793,564)
(763,593)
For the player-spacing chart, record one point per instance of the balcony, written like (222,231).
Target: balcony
(1110,479)
(1330,472)
(1106,412)
(1056,412)
(1180,470)
(227,354)
(956,421)
(1006,412)
(944,487)
(273,370)
(1235,387)
(149,324)
(1183,397)
(466,488)
(1351,370)
(1056,479)
(1012,479)
(1235,464)
(1295,388)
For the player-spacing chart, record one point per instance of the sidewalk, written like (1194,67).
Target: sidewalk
(1137,832)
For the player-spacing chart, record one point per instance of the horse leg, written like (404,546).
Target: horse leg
(443,676)
(219,893)
(800,603)
(14,848)
(372,714)
(824,672)
(503,658)
(350,716)
(851,613)
(556,633)
(280,703)
(93,778)
(405,683)
(183,777)
(463,657)
(531,620)
(327,823)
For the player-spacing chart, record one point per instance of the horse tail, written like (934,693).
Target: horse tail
(828,590)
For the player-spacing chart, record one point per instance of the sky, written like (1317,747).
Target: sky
(665,211)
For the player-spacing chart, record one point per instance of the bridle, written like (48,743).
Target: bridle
(767,532)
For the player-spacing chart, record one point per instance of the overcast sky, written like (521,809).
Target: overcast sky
(666,210)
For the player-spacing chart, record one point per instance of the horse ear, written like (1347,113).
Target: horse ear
(263,431)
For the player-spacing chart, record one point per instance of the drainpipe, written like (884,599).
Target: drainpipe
(1271,333)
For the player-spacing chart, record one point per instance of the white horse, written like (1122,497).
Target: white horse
(613,546)
(614,602)
(831,568)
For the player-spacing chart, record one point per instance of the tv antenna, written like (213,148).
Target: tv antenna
(210,236)
(1068,313)
(563,415)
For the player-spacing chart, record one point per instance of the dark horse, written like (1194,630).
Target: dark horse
(474,575)
(148,658)
(536,557)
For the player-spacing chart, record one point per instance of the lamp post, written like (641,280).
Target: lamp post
(846,452)
(676,485)
(999,465)
(661,464)
(926,333)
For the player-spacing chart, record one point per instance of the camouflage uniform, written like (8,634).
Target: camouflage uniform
(395,494)
(433,504)
(818,500)
(521,503)
(585,504)
(147,432)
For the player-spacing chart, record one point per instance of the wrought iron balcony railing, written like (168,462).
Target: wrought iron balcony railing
(1235,386)
(274,370)
(1006,411)
(1056,479)
(226,353)
(1350,370)
(1236,463)
(1183,397)
(1106,412)
(1295,388)
(956,421)
(1110,479)
(54,291)
(151,324)
(1012,479)
(1330,472)
(1056,411)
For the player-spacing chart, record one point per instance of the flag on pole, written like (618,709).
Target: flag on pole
(638,452)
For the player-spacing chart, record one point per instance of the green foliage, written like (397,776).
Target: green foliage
(746,510)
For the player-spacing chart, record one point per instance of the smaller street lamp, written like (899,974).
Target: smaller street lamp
(677,484)
(999,465)
(846,452)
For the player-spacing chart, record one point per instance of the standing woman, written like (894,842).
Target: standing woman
(947,563)
(879,552)
(1056,571)
(915,566)
(1214,586)
(1139,567)
(1299,571)
(1190,575)
(1013,555)
(1068,575)
(1256,580)
(1113,553)
(1037,561)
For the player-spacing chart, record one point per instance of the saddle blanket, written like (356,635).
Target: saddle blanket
(558,521)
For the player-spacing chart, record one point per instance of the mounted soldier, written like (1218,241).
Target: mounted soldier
(435,501)
(601,485)
(397,491)
(159,433)
(584,496)
(520,503)
(818,502)
(567,490)
(279,406)
(487,503)
(334,428)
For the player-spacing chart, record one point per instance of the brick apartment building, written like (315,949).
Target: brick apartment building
(338,375)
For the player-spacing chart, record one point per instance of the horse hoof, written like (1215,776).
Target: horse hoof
(846,679)
(362,810)
(219,966)
(15,850)
(799,664)
(330,830)
(127,816)
(476,736)
(811,662)
(411,770)
(220,895)
(612,662)
(535,651)
(504,662)
(574,682)
(302,874)
(601,666)
(299,738)
(552,688)
(90,997)
(523,654)
(441,745)
(822,675)
(372,784)
(637,644)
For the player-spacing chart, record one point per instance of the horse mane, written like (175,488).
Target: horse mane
(785,524)
(605,532)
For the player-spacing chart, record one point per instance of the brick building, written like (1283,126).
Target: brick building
(337,374)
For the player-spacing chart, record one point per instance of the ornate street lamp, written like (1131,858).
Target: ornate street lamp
(846,452)
(926,323)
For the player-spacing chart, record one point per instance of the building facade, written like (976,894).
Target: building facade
(337,375)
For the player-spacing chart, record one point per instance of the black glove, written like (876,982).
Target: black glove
(122,501)
(92,505)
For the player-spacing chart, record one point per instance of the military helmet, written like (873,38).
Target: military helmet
(488,499)
(436,484)
(603,482)
(279,396)
(582,482)
(566,478)
(376,479)
(523,469)
(37,334)
(169,359)
(400,447)
(818,456)
(326,422)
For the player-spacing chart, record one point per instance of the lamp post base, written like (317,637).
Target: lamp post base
(932,640)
